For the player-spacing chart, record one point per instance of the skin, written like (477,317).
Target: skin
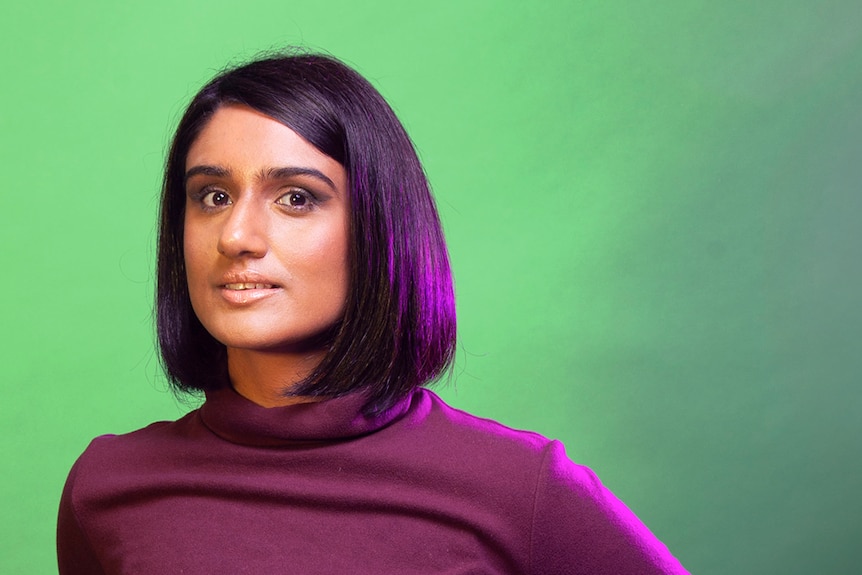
(266,248)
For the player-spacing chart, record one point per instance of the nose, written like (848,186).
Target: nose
(244,232)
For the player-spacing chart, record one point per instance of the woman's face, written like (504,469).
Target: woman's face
(266,233)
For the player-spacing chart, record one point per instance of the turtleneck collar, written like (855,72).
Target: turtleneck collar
(239,420)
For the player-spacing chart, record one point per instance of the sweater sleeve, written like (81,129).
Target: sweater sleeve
(580,527)
(75,555)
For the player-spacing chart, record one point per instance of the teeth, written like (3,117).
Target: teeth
(243,286)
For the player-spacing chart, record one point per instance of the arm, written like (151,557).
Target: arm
(579,526)
(75,555)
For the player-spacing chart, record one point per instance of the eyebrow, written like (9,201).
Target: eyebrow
(205,171)
(263,175)
(283,173)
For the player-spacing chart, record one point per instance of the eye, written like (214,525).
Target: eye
(297,199)
(215,199)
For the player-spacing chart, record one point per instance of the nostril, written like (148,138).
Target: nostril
(242,245)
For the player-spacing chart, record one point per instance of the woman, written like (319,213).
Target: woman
(304,286)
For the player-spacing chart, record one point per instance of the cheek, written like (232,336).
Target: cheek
(329,261)
(340,258)
(194,257)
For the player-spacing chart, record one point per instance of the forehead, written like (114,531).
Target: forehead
(240,138)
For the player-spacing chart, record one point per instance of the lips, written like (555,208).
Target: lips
(240,280)
(245,287)
(240,286)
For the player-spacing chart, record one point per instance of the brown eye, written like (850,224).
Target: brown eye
(298,200)
(215,199)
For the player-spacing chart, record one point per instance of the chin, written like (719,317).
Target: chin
(269,340)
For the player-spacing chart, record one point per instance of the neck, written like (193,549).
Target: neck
(263,377)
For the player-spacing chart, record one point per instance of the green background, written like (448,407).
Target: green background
(652,207)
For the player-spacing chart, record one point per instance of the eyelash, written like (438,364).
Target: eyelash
(202,196)
(204,199)
(310,199)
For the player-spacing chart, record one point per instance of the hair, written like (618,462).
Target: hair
(398,330)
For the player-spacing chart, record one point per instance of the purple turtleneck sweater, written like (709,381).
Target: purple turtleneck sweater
(318,488)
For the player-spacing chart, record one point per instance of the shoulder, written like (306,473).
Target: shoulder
(150,436)
(108,458)
(441,413)
(459,433)
(491,444)
(499,458)
(569,516)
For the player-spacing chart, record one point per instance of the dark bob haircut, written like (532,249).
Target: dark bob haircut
(398,328)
